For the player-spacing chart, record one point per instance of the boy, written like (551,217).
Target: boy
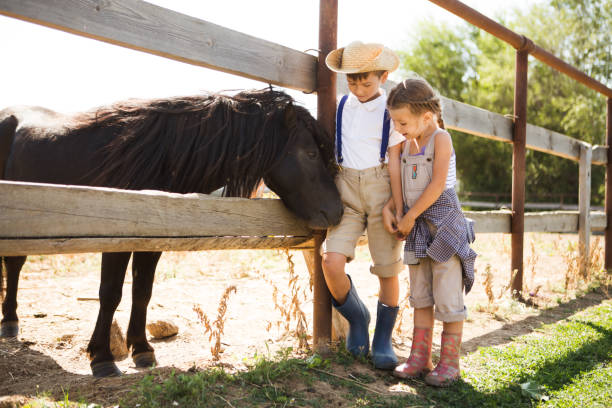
(362,138)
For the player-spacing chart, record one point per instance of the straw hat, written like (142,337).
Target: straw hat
(359,57)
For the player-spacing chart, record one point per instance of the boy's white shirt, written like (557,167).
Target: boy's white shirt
(362,126)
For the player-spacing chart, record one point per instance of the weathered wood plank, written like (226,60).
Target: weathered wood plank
(600,155)
(479,122)
(584,203)
(29,210)
(490,221)
(48,246)
(552,221)
(547,221)
(475,121)
(145,27)
(554,143)
(598,221)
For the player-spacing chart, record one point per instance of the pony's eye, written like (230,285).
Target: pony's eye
(312,155)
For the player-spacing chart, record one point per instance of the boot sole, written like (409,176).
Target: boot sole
(419,375)
(443,384)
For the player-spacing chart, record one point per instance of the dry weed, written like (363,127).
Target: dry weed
(216,328)
(503,305)
(595,261)
(289,305)
(571,259)
(529,290)
(532,262)
(491,306)
(510,283)
(581,273)
(488,284)
(404,305)
(596,274)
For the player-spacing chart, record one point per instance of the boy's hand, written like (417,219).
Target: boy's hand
(389,220)
(406,224)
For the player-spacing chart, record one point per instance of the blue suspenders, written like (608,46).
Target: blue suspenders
(385,132)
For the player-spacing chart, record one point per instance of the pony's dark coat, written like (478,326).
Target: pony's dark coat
(186,144)
(183,145)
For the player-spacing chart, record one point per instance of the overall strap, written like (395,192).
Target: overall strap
(339,128)
(432,141)
(385,132)
(385,136)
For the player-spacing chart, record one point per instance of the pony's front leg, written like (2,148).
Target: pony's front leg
(10,323)
(111,284)
(143,272)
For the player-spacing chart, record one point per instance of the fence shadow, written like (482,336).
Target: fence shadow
(527,325)
(554,374)
(565,369)
(28,373)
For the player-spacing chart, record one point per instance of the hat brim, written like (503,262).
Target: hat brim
(387,61)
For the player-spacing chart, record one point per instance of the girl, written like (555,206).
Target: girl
(424,209)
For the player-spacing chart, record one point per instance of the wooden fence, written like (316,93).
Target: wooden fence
(99,219)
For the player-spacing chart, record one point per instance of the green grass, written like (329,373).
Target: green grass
(44,400)
(567,364)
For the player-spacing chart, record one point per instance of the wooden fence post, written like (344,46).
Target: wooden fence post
(518,168)
(608,249)
(326,115)
(584,206)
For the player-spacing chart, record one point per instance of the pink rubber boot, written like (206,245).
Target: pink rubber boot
(447,370)
(419,362)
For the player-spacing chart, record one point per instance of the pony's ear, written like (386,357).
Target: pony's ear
(290,116)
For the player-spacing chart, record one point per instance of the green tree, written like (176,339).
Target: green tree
(469,65)
(449,58)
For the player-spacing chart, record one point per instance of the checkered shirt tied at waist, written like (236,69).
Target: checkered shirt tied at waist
(454,235)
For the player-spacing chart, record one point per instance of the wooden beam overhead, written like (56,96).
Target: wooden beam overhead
(145,27)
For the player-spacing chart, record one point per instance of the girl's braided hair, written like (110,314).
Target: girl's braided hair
(418,96)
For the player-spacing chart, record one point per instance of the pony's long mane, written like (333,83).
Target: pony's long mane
(199,143)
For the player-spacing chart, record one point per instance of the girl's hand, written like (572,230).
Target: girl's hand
(398,218)
(406,224)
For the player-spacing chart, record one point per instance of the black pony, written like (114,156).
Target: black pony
(190,144)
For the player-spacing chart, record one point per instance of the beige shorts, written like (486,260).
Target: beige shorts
(438,284)
(364,193)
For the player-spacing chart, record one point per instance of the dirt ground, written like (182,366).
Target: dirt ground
(58,307)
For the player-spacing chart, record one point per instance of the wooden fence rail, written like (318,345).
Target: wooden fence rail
(145,27)
(38,218)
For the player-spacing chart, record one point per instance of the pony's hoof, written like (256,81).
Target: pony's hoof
(105,369)
(144,360)
(9,329)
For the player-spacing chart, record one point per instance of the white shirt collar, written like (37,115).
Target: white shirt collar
(370,106)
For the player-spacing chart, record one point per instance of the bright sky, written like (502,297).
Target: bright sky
(65,72)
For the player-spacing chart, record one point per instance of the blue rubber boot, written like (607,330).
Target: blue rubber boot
(383,356)
(353,310)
